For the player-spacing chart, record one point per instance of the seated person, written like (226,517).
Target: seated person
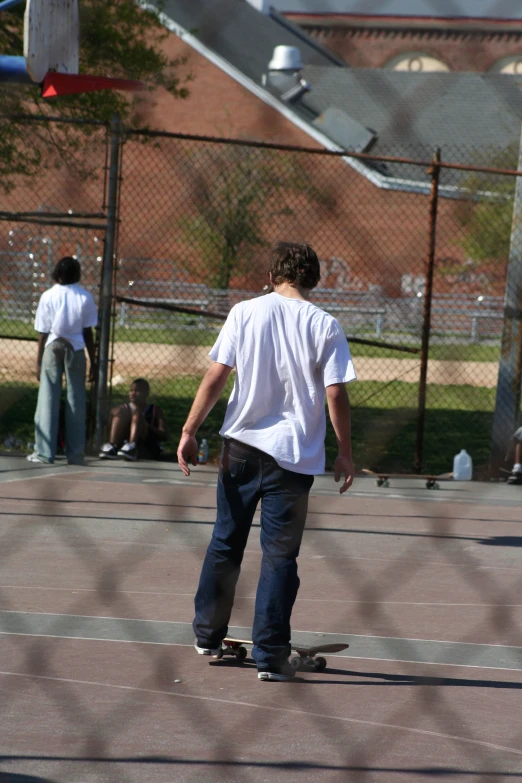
(516,473)
(135,427)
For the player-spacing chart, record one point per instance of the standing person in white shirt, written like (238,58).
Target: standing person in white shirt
(65,317)
(288,355)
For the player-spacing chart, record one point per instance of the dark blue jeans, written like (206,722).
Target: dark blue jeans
(247,476)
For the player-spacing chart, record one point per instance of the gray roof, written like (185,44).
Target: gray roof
(243,36)
(437,9)
(468,115)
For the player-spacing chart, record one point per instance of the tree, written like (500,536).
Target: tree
(118,39)
(237,192)
(229,203)
(487,215)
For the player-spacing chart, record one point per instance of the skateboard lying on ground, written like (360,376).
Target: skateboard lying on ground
(383,479)
(513,478)
(304,660)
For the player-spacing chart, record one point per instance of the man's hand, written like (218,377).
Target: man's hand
(343,466)
(93,372)
(187,452)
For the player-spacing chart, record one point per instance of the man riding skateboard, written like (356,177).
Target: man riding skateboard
(288,355)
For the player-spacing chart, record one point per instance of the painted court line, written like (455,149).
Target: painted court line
(252,597)
(288,710)
(476,655)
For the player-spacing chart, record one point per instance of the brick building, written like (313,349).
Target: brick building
(375,232)
(383,110)
(415,36)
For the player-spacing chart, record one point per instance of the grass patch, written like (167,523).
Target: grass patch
(17,407)
(448,352)
(384,421)
(15,329)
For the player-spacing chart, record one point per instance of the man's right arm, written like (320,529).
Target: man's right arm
(340,416)
(207,395)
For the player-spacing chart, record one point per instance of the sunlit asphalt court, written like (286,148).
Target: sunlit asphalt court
(99,568)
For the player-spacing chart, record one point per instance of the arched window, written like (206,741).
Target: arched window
(415,62)
(510,65)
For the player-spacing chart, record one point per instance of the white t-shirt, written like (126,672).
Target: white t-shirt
(286,352)
(65,311)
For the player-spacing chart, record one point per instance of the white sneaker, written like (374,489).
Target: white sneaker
(36,458)
(128,451)
(215,652)
(108,451)
(284,673)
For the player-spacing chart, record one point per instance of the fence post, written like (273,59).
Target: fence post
(434,170)
(507,401)
(105,309)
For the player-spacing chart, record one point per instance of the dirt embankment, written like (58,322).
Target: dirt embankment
(17,361)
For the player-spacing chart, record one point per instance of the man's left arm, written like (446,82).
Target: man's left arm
(340,416)
(206,397)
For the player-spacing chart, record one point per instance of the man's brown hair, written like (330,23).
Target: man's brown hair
(294,262)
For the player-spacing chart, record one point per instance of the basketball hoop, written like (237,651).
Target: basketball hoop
(57,84)
(51,37)
(52,52)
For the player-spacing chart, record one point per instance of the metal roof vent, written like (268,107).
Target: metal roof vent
(283,74)
(286,58)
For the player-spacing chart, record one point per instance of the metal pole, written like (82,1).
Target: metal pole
(106,285)
(426,323)
(507,402)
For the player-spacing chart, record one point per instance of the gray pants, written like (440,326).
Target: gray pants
(59,357)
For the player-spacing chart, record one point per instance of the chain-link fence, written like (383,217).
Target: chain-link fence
(55,208)
(219,206)
(92,562)
(196,218)
(475,241)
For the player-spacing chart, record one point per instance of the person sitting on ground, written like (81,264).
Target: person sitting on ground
(136,427)
(516,473)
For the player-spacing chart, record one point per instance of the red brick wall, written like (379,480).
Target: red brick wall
(367,49)
(218,106)
(378,234)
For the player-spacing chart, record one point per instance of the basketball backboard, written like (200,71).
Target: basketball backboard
(51,37)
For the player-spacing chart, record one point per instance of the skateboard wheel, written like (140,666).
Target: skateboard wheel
(220,653)
(295,663)
(320,664)
(381,483)
(241,653)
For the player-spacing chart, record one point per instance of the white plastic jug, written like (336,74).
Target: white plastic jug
(462,466)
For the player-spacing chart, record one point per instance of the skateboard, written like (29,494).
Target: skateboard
(513,478)
(431,481)
(306,658)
